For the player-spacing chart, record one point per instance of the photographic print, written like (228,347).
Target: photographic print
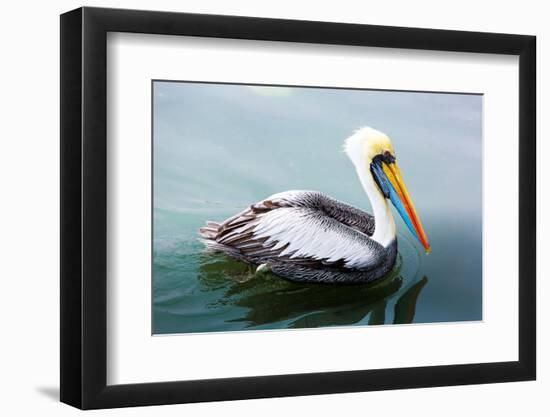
(288,207)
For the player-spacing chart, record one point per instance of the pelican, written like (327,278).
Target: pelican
(307,236)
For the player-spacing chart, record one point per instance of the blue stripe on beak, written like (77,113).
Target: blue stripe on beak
(401,209)
(389,192)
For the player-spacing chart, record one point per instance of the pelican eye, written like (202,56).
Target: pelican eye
(388,158)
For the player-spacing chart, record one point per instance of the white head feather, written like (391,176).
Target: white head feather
(361,148)
(365,144)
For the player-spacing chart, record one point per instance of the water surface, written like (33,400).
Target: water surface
(219,148)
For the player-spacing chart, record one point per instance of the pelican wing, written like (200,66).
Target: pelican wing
(344,213)
(296,227)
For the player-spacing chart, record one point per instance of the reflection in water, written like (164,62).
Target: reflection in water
(269,299)
(195,292)
(405,306)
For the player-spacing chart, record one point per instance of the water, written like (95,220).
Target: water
(219,148)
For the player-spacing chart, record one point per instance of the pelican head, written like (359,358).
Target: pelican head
(372,153)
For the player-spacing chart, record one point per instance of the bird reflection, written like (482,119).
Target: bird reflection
(271,302)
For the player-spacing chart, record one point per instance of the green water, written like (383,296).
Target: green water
(218,149)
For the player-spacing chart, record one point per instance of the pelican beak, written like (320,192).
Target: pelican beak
(401,199)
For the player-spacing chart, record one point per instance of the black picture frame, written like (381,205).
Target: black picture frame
(84,207)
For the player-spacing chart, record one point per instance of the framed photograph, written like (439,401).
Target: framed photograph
(256,208)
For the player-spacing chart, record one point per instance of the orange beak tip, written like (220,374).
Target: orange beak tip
(428,250)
